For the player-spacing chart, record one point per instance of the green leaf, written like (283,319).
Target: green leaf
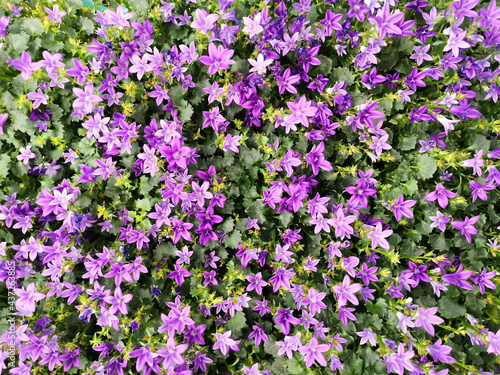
(343,74)
(33,25)
(250,156)
(294,366)
(480,142)
(186,112)
(411,187)
(439,242)
(408,143)
(18,42)
(369,356)
(144,204)
(140,6)
(378,308)
(474,304)
(326,65)
(87,25)
(449,309)
(233,240)
(236,324)
(227,226)
(4,165)
(427,166)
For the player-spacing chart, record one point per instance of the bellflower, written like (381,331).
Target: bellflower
(402,207)
(440,352)
(441,194)
(466,227)
(218,58)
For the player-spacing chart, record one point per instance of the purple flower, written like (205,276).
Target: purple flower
(3,119)
(38,98)
(256,282)
(119,18)
(224,342)
(179,274)
(70,358)
(440,352)
(79,71)
(140,65)
(346,313)
(231,143)
(86,98)
(466,227)
(28,298)
(367,274)
(370,80)
(314,301)
(25,65)
(458,278)
(55,15)
(314,352)
(441,194)
(4,25)
(379,236)
(483,280)
(205,21)
(402,207)
(258,334)
(494,342)
(479,190)
(218,58)
(379,144)
(427,318)
(26,154)
(456,42)
(301,109)
(421,54)
(387,22)
(367,335)
(284,318)
(400,361)
(345,292)
(395,292)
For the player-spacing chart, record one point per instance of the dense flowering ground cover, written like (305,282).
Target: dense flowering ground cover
(249,187)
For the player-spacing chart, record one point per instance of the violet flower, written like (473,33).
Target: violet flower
(466,227)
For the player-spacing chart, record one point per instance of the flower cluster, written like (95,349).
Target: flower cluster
(261,188)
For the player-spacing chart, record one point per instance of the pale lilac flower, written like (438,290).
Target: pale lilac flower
(232,143)
(494,342)
(205,21)
(404,322)
(224,342)
(314,352)
(440,352)
(466,227)
(367,335)
(345,291)
(54,14)
(28,298)
(25,65)
(253,27)
(26,154)
(379,236)
(38,98)
(427,318)
(402,207)
(476,163)
(119,18)
(260,65)
(439,221)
